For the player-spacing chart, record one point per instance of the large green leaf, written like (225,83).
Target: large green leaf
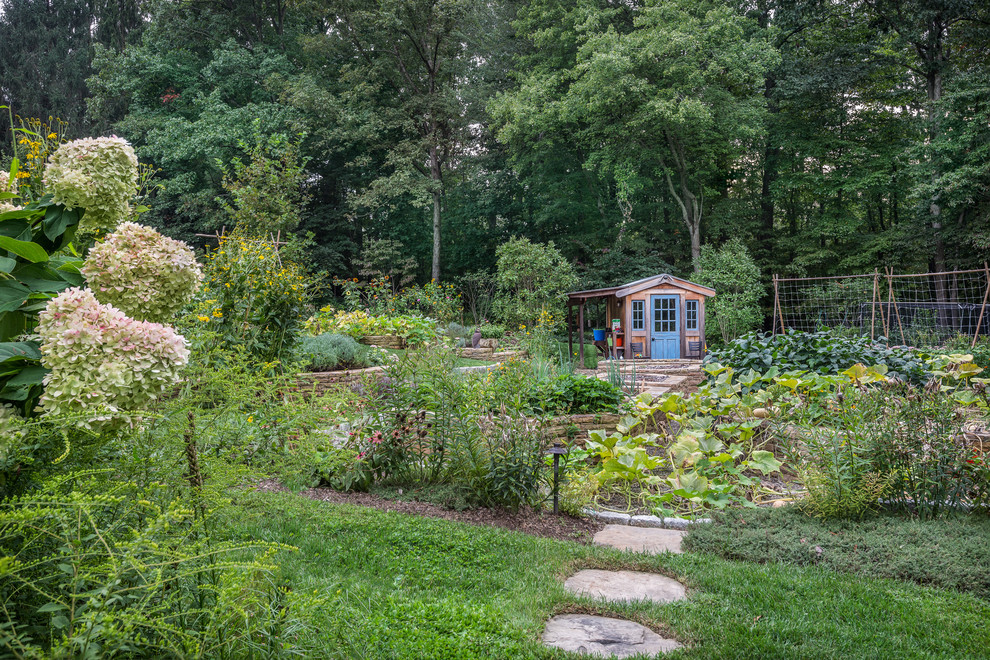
(28,382)
(25,249)
(58,219)
(19,349)
(19,229)
(12,295)
(764,461)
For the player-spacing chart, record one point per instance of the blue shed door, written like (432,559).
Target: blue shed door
(665,335)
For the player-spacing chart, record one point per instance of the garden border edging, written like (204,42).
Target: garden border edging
(614,518)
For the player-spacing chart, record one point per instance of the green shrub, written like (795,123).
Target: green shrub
(330,352)
(533,279)
(733,273)
(254,296)
(573,394)
(456,330)
(97,567)
(492,331)
(822,352)
(513,466)
(914,436)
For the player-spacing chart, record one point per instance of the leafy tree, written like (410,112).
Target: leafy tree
(387,258)
(731,271)
(410,61)
(671,101)
(532,278)
(45,59)
(265,195)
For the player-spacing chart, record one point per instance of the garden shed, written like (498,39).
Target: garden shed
(660,318)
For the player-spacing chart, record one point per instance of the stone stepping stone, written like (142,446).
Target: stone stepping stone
(625,586)
(604,636)
(640,539)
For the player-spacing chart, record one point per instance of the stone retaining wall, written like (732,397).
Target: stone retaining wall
(574,428)
(321,381)
(383,341)
(488,354)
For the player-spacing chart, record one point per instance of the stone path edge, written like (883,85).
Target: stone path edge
(614,518)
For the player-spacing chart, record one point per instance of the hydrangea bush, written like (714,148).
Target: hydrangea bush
(6,186)
(148,276)
(103,363)
(98,174)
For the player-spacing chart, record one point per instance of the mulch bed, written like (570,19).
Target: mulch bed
(526,520)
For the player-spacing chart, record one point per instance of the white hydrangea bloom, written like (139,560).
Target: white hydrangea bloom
(97,174)
(104,365)
(142,273)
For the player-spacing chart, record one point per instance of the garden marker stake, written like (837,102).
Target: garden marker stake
(556,450)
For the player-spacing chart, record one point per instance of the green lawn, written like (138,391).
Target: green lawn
(395,586)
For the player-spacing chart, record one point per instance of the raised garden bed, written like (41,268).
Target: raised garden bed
(383,341)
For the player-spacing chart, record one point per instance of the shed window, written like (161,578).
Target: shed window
(638,315)
(691,315)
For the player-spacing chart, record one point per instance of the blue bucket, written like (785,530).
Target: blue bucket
(599,335)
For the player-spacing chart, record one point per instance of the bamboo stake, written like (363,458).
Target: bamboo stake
(884,317)
(983,308)
(776,304)
(890,283)
(873,306)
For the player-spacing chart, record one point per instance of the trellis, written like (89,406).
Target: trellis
(916,309)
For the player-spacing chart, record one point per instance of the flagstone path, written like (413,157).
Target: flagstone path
(610,637)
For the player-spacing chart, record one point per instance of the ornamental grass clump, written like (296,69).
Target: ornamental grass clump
(146,275)
(104,365)
(97,174)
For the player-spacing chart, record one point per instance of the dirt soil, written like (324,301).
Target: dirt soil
(526,520)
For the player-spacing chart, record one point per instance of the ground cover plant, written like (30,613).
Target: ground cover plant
(824,352)
(952,553)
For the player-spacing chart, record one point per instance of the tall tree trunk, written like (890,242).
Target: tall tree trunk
(435,273)
(437,175)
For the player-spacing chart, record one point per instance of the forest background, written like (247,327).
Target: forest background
(829,137)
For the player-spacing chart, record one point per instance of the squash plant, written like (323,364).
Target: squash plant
(37,261)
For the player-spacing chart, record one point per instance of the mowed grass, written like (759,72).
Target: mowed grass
(397,586)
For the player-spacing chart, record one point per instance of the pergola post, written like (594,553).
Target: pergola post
(581,333)
(570,331)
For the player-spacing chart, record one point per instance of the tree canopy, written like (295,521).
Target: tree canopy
(828,138)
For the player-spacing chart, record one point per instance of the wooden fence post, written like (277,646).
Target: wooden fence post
(873,306)
(897,312)
(983,308)
(776,306)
